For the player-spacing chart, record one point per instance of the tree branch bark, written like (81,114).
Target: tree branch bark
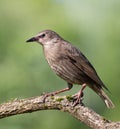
(64,103)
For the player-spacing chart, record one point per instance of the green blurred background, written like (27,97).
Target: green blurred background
(91,25)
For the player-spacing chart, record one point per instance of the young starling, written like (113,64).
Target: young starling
(70,64)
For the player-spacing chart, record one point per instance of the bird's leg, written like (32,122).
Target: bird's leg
(58,91)
(63,90)
(80,94)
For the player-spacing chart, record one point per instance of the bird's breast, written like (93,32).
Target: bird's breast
(52,55)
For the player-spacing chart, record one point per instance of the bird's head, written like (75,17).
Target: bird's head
(45,37)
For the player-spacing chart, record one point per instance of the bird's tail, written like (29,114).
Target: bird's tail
(106,99)
(103,96)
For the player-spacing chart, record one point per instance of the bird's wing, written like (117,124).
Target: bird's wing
(81,62)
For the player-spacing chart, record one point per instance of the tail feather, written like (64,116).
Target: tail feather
(103,96)
(106,99)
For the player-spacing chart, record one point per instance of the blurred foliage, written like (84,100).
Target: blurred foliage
(93,26)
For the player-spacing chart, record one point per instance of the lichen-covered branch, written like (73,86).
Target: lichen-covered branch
(64,103)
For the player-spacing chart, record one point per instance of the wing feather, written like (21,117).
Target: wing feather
(80,65)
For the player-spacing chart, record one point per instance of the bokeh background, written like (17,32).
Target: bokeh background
(91,25)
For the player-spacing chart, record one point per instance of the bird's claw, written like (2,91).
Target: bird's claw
(78,100)
(45,95)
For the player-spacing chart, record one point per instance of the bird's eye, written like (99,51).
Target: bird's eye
(42,36)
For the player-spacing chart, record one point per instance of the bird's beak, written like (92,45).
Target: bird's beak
(33,39)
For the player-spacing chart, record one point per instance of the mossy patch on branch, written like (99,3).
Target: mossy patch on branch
(59,99)
(69,98)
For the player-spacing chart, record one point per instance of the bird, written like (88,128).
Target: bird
(70,64)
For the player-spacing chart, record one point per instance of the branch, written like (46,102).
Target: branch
(64,103)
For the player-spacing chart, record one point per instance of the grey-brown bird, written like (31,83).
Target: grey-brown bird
(70,64)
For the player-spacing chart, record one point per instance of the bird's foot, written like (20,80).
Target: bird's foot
(78,98)
(80,95)
(45,95)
